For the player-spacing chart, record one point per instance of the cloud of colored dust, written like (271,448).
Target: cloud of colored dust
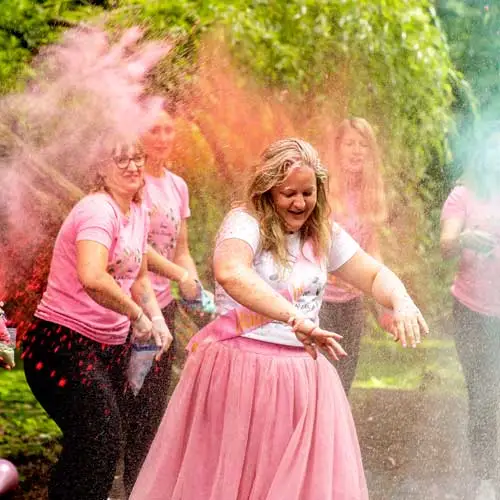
(86,94)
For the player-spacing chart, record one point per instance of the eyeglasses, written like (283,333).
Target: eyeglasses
(123,162)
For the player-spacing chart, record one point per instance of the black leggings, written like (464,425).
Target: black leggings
(80,383)
(145,411)
(346,319)
(477,339)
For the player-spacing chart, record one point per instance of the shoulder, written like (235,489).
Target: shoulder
(240,217)
(342,247)
(341,240)
(99,204)
(460,192)
(176,180)
(458,199)
(339,234)
(239,224)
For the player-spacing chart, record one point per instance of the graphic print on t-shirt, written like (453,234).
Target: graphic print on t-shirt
(303,278)
(165,226)
(124,265)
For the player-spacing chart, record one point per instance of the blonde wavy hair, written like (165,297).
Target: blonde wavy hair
(273,168)
(99,185)
(373,204)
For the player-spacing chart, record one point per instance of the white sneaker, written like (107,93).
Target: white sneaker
(486,490)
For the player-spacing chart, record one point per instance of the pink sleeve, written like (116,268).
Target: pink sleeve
(184,193)
(456,204)
(147,223)
(95,220)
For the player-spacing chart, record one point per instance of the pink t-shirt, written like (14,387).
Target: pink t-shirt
(95,218)
(167,200)
(337,290)
(476,284)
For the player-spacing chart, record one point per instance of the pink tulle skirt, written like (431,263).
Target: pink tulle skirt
(254,421)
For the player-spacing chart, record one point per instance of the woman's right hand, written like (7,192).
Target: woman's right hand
(190,289)
(314,337)
(479,241)
(141,328)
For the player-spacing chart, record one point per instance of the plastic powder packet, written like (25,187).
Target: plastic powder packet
(141,361)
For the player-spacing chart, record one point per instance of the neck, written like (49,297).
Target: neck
(352,181)
(156,167)
(123,200)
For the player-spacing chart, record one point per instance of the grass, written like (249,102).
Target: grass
(433,365)
(26,430)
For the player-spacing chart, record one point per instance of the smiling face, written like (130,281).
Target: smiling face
(354,151)
(159,140)
(124,174)
(295,198)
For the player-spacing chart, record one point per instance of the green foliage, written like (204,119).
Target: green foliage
(472,28)
(26,25)
(386,365)
(25,428)
(387,61)
(473,33)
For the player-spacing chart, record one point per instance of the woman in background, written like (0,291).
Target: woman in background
(356,197)
(470,231)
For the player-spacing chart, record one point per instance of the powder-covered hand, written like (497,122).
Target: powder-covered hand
(141,328)
(313,338)
(161,335)
(478,241)
(409,323)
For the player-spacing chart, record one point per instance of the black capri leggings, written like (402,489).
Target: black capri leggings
(348,320)
(477,339)
(80,383)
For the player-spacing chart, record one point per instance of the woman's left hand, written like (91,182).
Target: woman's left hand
(161,334)
(385,319)
(409,326)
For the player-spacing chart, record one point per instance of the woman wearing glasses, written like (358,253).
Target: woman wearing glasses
(75,352)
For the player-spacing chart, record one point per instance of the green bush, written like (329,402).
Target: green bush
(25,428)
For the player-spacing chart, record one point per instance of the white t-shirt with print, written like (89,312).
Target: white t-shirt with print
(305,278)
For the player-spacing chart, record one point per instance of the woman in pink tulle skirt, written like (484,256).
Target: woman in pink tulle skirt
(259,414)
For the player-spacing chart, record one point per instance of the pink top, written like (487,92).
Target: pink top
(95,218)
(167,200)
(476,283)
(337,290)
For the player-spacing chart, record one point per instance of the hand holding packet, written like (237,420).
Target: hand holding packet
(203,304)
(141,361)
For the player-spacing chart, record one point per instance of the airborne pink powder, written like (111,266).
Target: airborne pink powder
(86,95)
